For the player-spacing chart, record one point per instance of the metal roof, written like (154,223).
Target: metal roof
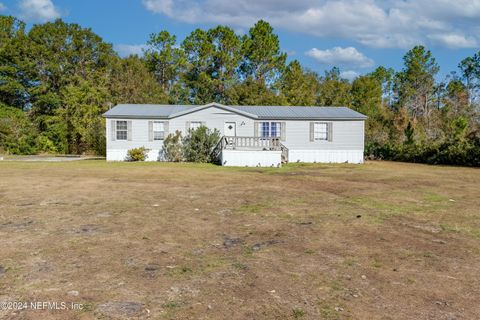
(160,111)
(145,110)
(283,112)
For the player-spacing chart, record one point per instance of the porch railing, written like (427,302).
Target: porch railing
(249,143)
(217,150)
(284,153)
(254,143)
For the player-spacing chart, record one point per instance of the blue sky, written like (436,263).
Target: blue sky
(356,35)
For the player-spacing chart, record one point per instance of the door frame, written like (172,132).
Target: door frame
(234,128)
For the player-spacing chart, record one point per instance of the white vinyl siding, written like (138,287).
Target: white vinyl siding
(121,130)
(347,135)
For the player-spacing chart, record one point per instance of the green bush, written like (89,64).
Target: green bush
(172,147)
(377,151)
(17,134)
(199,143)
(462,152)
(137,154)
(44,144)
(458,152)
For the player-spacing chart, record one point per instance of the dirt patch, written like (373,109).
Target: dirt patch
(88,229)
(120,309)
(232,242)
(16,225)
(264,244)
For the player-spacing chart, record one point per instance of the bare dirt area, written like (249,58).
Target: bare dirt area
(181,241)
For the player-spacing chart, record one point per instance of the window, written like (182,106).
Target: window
(121,130)
(265,129)
(195,124)
(275,129)
(270,129)
(320,131)
(158,130)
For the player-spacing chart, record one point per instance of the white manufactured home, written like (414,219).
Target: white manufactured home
(251,135)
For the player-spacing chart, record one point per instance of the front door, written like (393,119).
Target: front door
(230,129)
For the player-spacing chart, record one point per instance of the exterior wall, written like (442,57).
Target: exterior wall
(326,156)
(346,135)
(347,144)
(117,150)
(251,158)
(214,118)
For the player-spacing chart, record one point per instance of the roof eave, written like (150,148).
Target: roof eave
(126,116)
(313,118)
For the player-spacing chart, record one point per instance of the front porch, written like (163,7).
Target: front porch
(250,152)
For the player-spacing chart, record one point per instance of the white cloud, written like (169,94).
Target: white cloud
(338,56)
(38,10)
(452,40)
(184,10)
(2,7)
(349,75)
(159,6)
(374,23)
(125,50)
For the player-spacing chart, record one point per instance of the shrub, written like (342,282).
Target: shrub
(463,152)
(17,134)
(137,154)
(199,143)
(44,144)
(377,151)
(172,147)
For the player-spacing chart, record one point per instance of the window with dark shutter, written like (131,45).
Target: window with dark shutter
(121,130)
(158,130)
(320,131)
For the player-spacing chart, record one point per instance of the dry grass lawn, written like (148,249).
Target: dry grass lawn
(182,241)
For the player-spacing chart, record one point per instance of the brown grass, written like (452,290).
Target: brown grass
(182,241)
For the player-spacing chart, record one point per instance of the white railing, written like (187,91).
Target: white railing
(249,143)
(253,143)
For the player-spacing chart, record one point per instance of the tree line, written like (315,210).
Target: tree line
(57,78)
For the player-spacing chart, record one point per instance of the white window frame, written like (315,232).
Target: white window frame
(161,133)
(121,130)
(270,125)
(194,125)
(320,134)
